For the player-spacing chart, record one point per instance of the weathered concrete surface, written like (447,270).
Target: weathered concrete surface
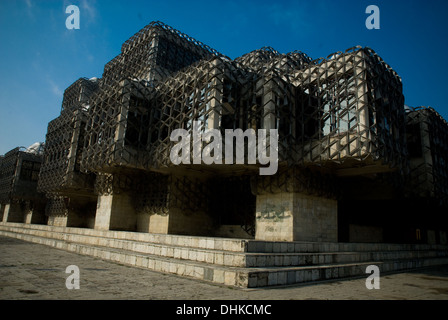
(296,217)
(33,271)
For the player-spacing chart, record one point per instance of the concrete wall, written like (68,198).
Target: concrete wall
(296,217)
(80,219)
(195,223)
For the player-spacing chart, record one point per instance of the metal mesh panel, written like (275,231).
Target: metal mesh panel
(190,195)
(427,135)
(8,169)
(345,111)
(151,194)
(302,180)
(60,172)
(208,91)
(77,95)
(347,107)
(342,116)
(108,184)
(19,175)
(57,206)
(120,112)
(117,132)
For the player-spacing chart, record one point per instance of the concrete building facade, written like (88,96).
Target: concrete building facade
(19,199)
(354,164)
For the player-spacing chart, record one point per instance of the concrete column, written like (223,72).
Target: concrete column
(363,105)
(57,212)
(4,211)
(152,223)
(28,216)
(296,217)
(13,213)
(57,221)
(115,212)
(158,224)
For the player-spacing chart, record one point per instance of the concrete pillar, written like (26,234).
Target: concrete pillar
(28,216)
(158,224)
(13,213)
(115,212)
(57,212)
(34,212)
(292,216)
(57,221)
(152,223)
(183,212)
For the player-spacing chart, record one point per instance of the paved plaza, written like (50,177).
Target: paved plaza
(33,271)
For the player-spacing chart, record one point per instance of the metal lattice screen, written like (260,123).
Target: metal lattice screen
(427,136)
(19,173)
(117,131)
(60,172)
(7,171)
(344,111)
(347,107)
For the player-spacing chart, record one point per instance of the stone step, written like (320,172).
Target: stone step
(227,258)
(232,276)
(225,244)
(207,260)
(310,259)
(213,256)
(233,245)
(314,247)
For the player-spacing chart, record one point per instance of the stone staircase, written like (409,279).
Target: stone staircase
(232,262)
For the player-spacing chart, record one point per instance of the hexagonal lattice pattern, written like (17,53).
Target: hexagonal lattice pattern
(19,171)
(427,136)
(60,172)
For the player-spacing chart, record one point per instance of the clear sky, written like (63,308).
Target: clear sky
(40,57)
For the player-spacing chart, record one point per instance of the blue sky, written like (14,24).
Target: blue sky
(40,57)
